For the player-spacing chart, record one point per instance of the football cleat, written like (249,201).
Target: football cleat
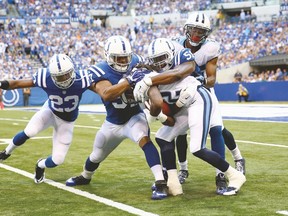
(161,190)
(221,184)
(3,155)
(240,165)
(230,191)
(182,176)
(78,180)
(165,174)
(39,173)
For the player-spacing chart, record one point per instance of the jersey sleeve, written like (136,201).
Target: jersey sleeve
(96,73)
(40,78)
(185,55)
(86,78)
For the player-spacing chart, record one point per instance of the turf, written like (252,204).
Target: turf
(124,176)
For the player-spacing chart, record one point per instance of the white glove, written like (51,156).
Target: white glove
(186,96)
(141,89)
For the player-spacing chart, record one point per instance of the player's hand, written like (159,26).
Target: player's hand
(141,89)
(186,96)
(149,117)
(4,84)
(166,120)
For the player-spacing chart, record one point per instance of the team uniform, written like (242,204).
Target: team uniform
(210,49)
(59,111)
(198,114)
(123,120)
(197,28)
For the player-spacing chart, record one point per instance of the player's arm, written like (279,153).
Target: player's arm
(15,84)
(211,67)
(109,92)
(173,75)
(155,107)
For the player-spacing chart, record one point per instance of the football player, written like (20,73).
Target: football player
(125,118)
(198,105)
(206,51)
(64,87)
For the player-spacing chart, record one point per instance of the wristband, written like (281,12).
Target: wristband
(4,84)
(162,117)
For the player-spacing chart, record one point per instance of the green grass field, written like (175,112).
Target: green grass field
(124,177)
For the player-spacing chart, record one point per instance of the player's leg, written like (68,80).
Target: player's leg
(181,146)
(199,121)
(137,130)
(40,121)
(165,137)
(62,138)
(106,140)
(235,151)
(217,142)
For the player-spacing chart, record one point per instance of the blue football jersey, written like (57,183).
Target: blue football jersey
(184,55)
(64,103)
(118,112)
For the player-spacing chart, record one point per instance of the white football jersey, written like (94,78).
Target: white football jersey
(209,50)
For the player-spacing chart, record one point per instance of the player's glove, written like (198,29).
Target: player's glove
(141,89)
(4,84)
(186,96)
(136,76)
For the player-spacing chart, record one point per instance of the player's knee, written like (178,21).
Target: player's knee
(165,145)
(97,155)
(58,159)
(143,141)
(216,131)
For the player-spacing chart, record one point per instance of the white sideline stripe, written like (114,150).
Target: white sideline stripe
(263,144)
(283,212)
(94,197)
(94,127)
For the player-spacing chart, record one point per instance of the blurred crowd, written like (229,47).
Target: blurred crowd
(22,44)
(267,75)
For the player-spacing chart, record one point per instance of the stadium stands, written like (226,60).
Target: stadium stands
(45,27)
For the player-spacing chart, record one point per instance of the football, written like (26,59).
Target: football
(166,108)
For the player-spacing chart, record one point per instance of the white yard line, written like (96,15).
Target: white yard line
(94,197)
(283,212)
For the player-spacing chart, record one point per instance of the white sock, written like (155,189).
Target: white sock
(87,174)
(10,148)
(41,163)
(183,165)
(157,172)
(236,154)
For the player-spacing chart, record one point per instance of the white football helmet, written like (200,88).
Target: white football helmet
(118,53)
(62,71)
(160,54)
(197,28)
